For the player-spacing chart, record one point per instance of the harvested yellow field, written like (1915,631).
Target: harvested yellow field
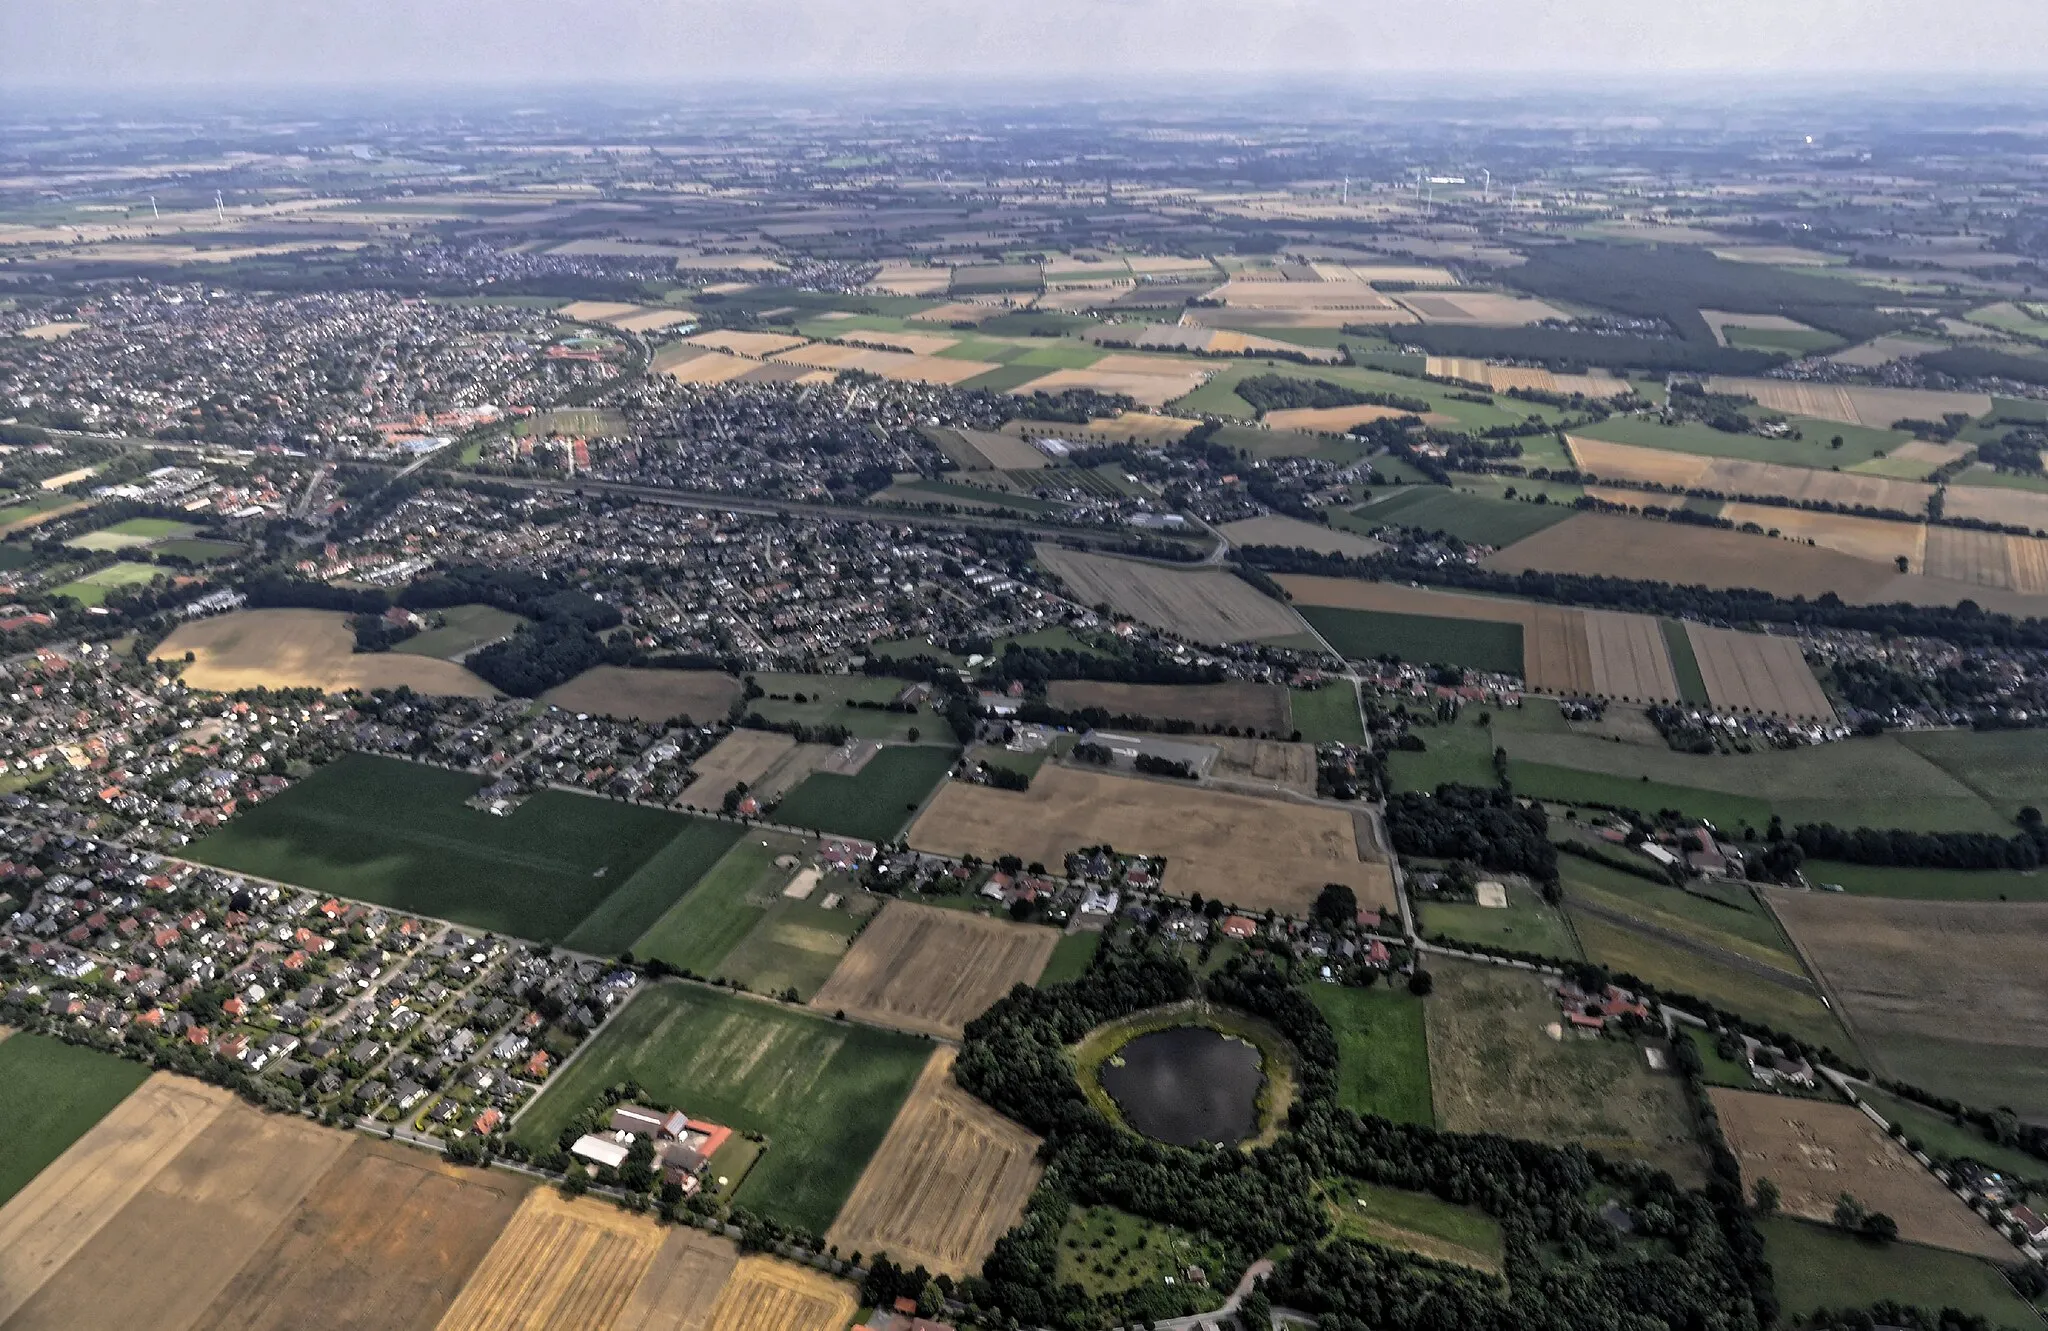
(1645,466)
(563,1264)
(1336,420)
(1593,383)
(917,344)
(760,346)
(743,755)
(949,1180)
(1200,604)
(1866,538)
(1926,451)
(2027,561)
(1981,557)
(1629,658)
(1752,672)
(958,311)
(889,364)
(1490,308)
(1249,852)
(1271,295)
(706,367)
(296,649)
(930,970)
(1720,321)
(596,311)
(682,1286)
(2007,508)
(1408,274)
(1817,1151)
(48,1221)
(1555,650)
(651,321)
(1853,404)
(899,278)
(769,1295)
(1151,390)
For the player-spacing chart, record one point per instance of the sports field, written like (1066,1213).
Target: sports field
(398,834)
(50,1094)
(873,804)
(1382,1051)
(93,588)
(824,1092)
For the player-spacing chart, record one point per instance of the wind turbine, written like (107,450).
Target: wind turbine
(220,214)
(154,215)
(1486,194)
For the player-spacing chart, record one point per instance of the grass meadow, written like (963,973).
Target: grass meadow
(1819,1267)
(50,1093)
(1929,884)
(1362,635)
(823,1092)
(1071,957)
(1328,714)
(93,587)
(875,803)
(697,932)
(1382,1051)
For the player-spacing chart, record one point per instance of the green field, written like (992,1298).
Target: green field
(875,803)
(1818,1267)
(34,505)
(2008,768)
(1382,1051)
(1812,450)
(1460,753)
(711,919)
(1565,785)
(1411,1220)
(152,529)
(198,552)
(1692,686)
(1714,1069)
(1945,1139)
(921,492)
(1266,444)
(1478,518)
(1727,917)
(397,833)
(1364,634)
(1328,714)
(658,884)
(823,1091)
(1218,397)
(92,589)
(1929,884)
(825,698)
(50,1093)
(1071,957)
(467,628)
(1527,924)
(796,945)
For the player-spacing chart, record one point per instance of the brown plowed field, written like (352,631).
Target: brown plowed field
(1250,852)
(1202,605)
(1556,657)
(1816,1151)
(682,1287)
(385,1241)
(1753,672)
(161,1260)
(1256,706)
(65,1205)
(1629,657)
(769,1295)
(743,755)
(296,649)
(648,695)
(1621,547)
(949,1180)
(1990,503)
(923,968)
(562,1264)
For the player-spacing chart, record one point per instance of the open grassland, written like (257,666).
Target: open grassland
(1929,884)
(702,696)
(561,1263)
(51,1093)
(383,1242)
(1527,923)
(1477,644)
(1415,1221)
(874,803)
(766,1294)
(1697,440)
(794,949)
(92,589)
(296,649)
(820,700)
(2009,768)
(923,969)
(742,757)
(1903,971)
(654,888)
(1473,518)
(164,1257)
(1460,751)
(34,509)
(1249,852)
(1566,785)
(823,1092)
(1071,958)
(711,919)
(1261,707)
(1202,605)
(1753,672)
(1816,1266)
(682,1285)
(1495,1066)
(1815,1151)
(49,1219)
(1382,1051)
(950,1179)
(398,834)
(1328,714)
(465,628)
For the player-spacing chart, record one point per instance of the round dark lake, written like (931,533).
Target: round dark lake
(1187,1085)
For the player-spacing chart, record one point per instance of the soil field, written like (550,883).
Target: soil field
(951,1178)
(562,1264)
(682,1286)
(296,649)
(1293,533)
(769,1295)
(1816,1151)
(1990,503)
(925,969)
(823,1092)
(163,1258)
(1752,672)
(1495,1067)
(1261,707)
(1906,972)
(1621,547)
(384,1242)
(703,696)
(1265,762)
(743,755)
(1852,404)
(1202,605)
(1252,853)
(51,1218)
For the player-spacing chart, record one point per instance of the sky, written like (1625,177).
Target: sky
(86,44)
